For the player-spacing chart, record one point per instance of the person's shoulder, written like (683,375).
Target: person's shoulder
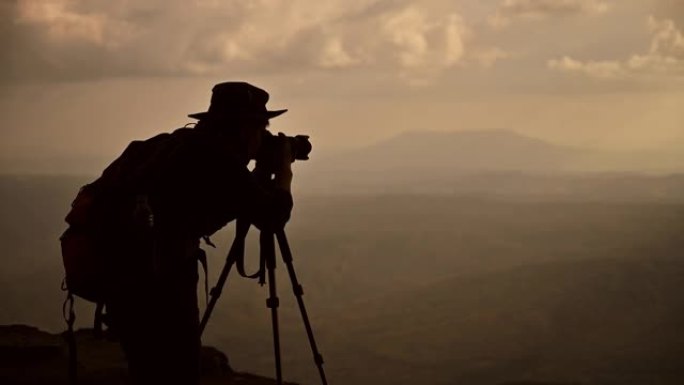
(206,146)
(185,137)
(194,135)
(183,133)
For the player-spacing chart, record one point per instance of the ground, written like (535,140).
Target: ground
(29,356)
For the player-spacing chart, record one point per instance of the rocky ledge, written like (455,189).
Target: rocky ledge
(29,356)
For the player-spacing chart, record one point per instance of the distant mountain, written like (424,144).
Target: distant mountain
(479,162)
(459,151)
(427,159)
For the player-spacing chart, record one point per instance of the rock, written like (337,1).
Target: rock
(29,356)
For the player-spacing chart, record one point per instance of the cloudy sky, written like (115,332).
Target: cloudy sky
(79,79)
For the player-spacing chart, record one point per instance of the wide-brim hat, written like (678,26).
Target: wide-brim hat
(235,99)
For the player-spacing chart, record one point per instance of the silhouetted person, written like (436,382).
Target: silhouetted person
(204,184)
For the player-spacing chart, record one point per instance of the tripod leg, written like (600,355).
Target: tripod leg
(299,292)
(267,244)
(237,249)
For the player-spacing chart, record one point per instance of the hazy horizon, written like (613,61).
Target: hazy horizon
(422,144)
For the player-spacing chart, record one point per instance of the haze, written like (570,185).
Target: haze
(495,194)
(80,79)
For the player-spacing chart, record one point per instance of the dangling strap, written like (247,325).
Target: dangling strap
(235,256)
(98,319)
(207,240)
(202,258)
(70,318)
(242,227)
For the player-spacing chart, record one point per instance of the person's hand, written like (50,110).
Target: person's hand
(277,154)
(283,158)
(283,152)
(276,163)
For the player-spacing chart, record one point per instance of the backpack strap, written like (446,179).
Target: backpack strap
(70,317)
(98,319)
(202,258)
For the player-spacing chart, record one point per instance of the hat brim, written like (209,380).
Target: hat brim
(266,114)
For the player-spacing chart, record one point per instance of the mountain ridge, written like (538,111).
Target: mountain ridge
(476,150)
(487,161)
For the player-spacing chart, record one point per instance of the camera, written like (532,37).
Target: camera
(301,147)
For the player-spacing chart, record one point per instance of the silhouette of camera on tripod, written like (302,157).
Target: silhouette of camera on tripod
(300,148)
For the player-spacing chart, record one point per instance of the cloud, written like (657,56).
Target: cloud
(664,58)
(488,56)
(423,45)
(601,69)
(670,9)
(510,10)
(60,23)
(79,39)
(335,55)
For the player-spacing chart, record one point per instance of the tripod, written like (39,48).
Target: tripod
(267,259)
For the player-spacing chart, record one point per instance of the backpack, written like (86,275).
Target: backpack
(100,216)
(107,211)
(103,212)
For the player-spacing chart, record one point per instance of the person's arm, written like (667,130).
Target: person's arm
(283,176)
(269,198)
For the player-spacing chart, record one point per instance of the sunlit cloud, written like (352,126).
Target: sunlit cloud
(335,55)
(510,10)
(664,58)
(487,57)
(424,45)
(607,69)
(62,23)
(74,39)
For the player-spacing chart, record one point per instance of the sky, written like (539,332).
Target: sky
(79,79)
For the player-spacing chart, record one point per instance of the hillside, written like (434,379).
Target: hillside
(611,321)
(418,288)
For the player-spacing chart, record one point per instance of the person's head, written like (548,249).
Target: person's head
(239,110)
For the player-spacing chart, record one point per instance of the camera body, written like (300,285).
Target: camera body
(300,144)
